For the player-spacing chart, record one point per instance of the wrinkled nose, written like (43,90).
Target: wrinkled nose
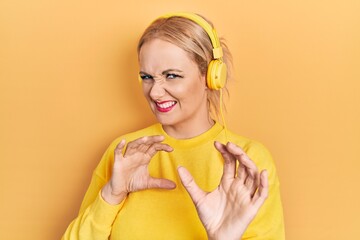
(157,90)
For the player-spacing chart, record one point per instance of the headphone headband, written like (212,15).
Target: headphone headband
(217,50)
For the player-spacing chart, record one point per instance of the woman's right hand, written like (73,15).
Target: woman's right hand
(130,171)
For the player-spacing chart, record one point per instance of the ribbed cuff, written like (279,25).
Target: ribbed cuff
(103,212)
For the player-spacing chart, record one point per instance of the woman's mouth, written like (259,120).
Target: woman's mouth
(165,106)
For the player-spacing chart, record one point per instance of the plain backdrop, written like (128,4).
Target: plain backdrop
(68,87)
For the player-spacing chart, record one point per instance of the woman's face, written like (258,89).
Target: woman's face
(173,86)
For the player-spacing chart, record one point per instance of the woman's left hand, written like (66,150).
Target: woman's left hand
(228,210)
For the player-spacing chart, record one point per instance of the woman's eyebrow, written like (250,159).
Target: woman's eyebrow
(164,72)
(171,70)
(142,72)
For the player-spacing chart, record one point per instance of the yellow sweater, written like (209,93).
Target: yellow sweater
(170,214)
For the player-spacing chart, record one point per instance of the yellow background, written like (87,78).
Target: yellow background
(68,87)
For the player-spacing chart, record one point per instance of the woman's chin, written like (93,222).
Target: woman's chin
(165,122)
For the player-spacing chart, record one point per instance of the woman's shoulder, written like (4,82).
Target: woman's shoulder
(255,149)
(245,142)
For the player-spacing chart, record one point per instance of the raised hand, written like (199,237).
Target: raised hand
(130,171)
(228,210)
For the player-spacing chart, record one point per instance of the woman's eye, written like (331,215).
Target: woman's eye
(146,77)
(172,76)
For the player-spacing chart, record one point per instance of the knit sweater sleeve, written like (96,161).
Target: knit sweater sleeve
(96,216)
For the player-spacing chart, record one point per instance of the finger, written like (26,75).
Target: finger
(229,165)
(252,183)
(261,195)
(246,166)
(247,171)
(228,157)
(240,154)
(156,147)
(191,187)
(118,150)
(161,183)
(252,180)
(142,144)
(147,140)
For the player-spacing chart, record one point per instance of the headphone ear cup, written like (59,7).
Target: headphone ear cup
(216,74)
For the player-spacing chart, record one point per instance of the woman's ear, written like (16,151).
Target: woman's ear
(204,80)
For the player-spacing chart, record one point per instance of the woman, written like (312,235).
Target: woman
(179,179)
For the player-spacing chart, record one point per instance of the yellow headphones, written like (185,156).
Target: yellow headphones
(217,70)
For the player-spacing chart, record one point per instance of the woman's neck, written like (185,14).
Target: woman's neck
(188,130)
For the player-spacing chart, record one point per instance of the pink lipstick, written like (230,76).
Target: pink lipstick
(165,106)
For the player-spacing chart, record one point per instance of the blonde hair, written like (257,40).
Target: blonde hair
(193,39)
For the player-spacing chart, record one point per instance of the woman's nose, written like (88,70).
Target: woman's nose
(157,90)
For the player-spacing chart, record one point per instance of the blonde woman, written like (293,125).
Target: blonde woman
(186,177)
